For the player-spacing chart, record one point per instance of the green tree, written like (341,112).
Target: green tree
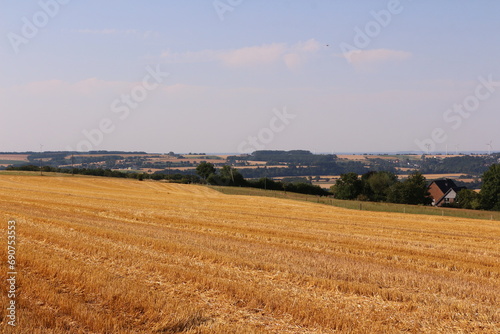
(468,199)
(204,169)
(396,193)
(227,172)
(349,186)
(413,190)
(231,176)
(226,176)
(377,185)
(490,191)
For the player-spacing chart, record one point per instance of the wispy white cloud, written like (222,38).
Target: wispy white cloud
(310,45)
(191,56)
(293,60)
(290,55)
(369,59)
(255,55)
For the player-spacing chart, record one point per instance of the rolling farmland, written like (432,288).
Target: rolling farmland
(101,255)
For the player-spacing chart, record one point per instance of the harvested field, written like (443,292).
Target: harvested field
(14,157)
(354,157)
(260,166)
(99,255)
(441,176)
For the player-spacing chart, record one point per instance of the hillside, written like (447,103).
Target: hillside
(102,255)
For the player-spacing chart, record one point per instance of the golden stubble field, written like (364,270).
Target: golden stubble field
(98,255)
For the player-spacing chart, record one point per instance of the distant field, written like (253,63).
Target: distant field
(11,162)
(14,157)
(405,169)
(439,176)
(355,157)
(198,160)
(153,170)
(101,255)
(253,162)
(204,157)
(260,166)
(117,154)
(392,156)
(325,185)
(364,157)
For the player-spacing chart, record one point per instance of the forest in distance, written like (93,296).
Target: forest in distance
(373,180)
(275,163)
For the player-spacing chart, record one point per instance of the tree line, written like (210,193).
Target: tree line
(229,176)
(489,196)
(384,186)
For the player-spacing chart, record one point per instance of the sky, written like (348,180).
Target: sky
(236,76)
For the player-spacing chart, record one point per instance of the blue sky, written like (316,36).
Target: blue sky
(327,76)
